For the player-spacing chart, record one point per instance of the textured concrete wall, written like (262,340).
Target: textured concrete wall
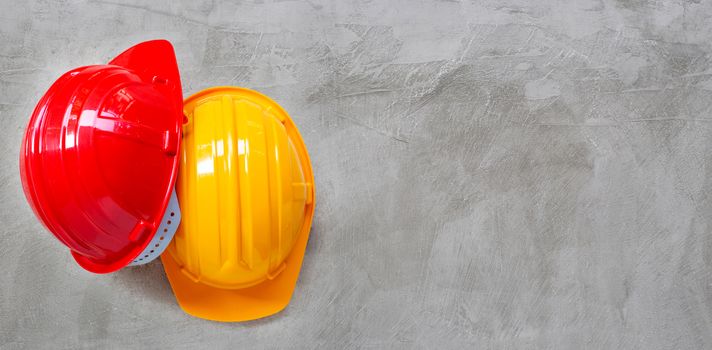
(496,174)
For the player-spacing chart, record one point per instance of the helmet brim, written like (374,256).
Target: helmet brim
(235,305)
(157,58)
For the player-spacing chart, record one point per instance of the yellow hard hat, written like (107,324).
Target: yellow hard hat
(246,192)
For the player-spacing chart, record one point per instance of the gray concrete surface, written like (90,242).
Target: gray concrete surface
(497,174)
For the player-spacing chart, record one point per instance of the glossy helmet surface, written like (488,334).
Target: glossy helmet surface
(99,158)
(246,191)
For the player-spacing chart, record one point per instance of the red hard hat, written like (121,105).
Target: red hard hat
(99,158)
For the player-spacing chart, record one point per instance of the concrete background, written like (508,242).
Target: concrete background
(496,174)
